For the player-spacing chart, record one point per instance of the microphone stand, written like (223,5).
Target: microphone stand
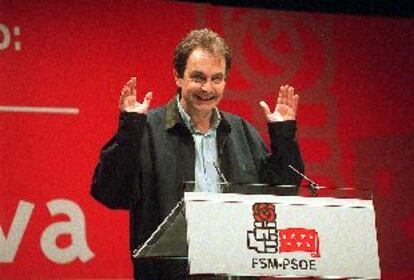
(313,186)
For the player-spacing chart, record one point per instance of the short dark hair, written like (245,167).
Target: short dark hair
(205,39)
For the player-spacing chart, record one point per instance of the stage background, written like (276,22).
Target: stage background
(354,75)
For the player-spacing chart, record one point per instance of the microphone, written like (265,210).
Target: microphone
(226,184)
(313,186)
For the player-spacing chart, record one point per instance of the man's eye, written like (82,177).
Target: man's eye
(197,79)
(217,80)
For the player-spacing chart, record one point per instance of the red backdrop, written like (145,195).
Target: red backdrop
(354,76)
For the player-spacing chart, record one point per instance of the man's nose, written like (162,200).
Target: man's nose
(207,86)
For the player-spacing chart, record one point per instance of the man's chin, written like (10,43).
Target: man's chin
(205,108)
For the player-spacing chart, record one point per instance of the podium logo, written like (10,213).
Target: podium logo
(267,238)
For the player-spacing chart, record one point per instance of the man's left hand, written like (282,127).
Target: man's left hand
(287,104)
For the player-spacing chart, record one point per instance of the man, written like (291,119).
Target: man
(143,166)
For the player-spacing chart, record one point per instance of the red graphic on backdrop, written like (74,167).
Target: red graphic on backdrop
(266,238)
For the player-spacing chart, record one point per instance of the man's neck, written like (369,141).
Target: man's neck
(202,121)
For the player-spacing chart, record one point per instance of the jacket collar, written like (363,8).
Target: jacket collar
(172,117)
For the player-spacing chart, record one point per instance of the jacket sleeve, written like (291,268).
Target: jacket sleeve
(118,168)
(284,152)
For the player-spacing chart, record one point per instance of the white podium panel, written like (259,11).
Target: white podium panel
(265,235)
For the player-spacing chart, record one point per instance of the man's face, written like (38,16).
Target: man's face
(203,83)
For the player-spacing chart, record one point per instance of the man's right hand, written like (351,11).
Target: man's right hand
(128,100)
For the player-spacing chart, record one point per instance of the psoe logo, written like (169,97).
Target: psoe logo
(267,238)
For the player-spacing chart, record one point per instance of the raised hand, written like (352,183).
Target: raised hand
(128,100)
(285,109)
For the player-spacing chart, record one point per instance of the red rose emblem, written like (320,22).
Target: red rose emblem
(264,212)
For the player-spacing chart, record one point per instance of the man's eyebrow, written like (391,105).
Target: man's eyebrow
(199,73)
(218,75)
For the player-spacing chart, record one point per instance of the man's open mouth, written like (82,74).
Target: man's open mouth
(205,98)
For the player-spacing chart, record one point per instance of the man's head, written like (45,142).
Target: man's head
(205,39)
(201,64)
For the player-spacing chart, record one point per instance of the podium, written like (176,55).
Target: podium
(239,234)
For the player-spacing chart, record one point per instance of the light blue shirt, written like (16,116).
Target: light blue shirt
(206,176)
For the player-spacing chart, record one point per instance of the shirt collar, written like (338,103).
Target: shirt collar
(216,118)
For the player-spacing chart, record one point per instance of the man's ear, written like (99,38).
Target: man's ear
(178,80)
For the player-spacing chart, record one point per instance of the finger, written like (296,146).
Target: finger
(127,97)
(282,95)
(290,94)
(281,92)
(132,83)
(134,91)
(126,91)
(123,97)
(265,108)
(290,91)
(128,94)
(279,100)
(129,87)
(286,94)
(295,103)
(147,99)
